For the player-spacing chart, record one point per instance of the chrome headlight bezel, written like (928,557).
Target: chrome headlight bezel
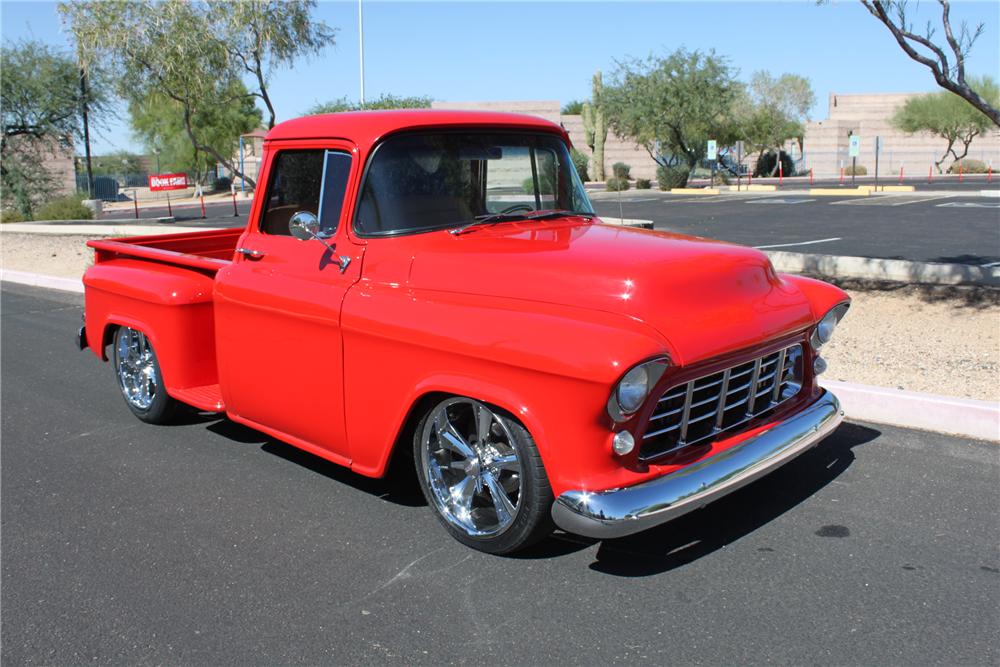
(633,388)
(823,331)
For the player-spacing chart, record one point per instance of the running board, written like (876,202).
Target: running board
(207,397)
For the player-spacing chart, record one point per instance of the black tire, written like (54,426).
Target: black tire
(532,521)
(154,406)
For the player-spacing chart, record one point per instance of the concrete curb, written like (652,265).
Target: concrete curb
(896,270)
(989,193)
(910,409)
(39,280)
(98,230)
(927,412)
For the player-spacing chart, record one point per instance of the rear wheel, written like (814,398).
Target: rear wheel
(139,377)
(482,475)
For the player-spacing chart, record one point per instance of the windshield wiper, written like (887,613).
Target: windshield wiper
(494,218)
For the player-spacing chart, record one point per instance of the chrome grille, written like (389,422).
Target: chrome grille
(697,410)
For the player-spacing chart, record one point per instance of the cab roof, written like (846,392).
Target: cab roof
(365,128)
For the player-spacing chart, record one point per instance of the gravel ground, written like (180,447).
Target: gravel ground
(941,340)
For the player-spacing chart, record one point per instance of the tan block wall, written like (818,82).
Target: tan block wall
(826,142)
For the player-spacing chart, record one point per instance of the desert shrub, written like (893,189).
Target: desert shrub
(765,164)
(621,171)
(969,166)
(572,108)
(10,215)
(671,177)
(223,184)
(69,207)
(643,184)
(860,170)
(615,184)
(580,162)
(721,177)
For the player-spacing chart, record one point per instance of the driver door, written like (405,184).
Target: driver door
(278,306)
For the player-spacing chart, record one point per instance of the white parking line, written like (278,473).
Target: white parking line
(991,264)
(968,204)
(789,245)
(778,200)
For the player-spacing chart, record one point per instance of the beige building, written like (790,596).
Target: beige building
(826,141)
(824,147)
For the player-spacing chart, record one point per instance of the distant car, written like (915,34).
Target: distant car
(435,284)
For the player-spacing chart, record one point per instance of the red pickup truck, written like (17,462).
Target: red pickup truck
(435,284)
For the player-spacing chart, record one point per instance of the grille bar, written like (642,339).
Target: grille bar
(702,408)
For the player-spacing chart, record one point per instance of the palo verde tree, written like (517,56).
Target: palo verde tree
(673,105)
(773,111)
(945,61)
(387,101)
(40,114)
(948,116)
(186,51)
(158,122)
(262,35)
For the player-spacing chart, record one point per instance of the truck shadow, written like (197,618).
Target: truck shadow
(693,536)
(721,523)
(397,486)
(655,551)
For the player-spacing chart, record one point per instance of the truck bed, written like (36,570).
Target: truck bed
(206,251)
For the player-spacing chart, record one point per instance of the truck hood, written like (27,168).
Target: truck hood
(704,297)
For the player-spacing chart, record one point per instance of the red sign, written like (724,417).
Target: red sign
(159,182)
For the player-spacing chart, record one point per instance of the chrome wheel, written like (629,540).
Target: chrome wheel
(136,368)
(471,466)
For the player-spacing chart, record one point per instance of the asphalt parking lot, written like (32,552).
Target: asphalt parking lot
(209,543)
(958,226)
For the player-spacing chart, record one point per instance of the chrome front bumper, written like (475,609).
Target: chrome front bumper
(619,512)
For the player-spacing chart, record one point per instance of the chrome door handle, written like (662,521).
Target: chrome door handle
(250,252)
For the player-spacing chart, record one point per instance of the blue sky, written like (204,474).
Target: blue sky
(522,50)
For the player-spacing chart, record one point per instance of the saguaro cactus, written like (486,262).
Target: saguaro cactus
(594,126)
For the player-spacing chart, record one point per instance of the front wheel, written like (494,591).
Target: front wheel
(482,475)
(139,377)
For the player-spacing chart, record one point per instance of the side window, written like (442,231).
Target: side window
(297,184)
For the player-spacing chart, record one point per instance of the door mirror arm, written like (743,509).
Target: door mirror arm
(304,226)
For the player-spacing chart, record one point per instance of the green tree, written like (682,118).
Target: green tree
(158,122)
(40,114)
(948,116)
(262,35)
(671,106)
(382,102)
(773,111)
(193,53)
(572,108)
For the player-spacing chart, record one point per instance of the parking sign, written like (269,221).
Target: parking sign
(712,149)
(855,148)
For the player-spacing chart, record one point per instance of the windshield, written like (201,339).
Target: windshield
(423,181)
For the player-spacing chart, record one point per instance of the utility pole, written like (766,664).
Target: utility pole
(361,50)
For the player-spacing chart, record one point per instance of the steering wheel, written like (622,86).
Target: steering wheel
(517,207)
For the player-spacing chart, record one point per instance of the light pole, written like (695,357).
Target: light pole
(361,50)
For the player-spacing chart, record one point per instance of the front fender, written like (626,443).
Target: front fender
(550,366)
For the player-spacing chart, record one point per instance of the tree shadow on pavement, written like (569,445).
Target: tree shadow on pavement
(721,523)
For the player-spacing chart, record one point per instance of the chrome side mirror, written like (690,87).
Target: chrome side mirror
(304,225)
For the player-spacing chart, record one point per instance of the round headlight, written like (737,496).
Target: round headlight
(632,390)
(824,330)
